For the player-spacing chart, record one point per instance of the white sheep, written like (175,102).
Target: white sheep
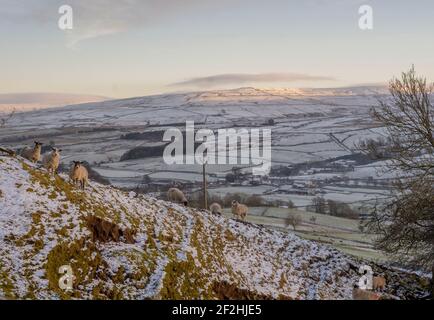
(33,155)
(239,210)
(51,160)
(215,208)
(79,174)
(176,195)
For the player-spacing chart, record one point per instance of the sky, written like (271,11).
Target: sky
(126,48)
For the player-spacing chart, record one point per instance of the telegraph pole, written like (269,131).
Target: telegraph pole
(205,197)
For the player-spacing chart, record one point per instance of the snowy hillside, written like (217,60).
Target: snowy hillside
(198,106)
(176,252)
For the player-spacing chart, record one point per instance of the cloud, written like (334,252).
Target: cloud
(96,18)
(244,78)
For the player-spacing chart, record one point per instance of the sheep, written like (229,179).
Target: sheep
(215,208)
(33,155)
(51,160)
(79,174)
(176,195)
(239,210)
(360,294)
(379,283)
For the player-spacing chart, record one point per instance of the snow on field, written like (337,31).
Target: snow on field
(112,173)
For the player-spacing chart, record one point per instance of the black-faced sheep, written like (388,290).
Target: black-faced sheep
(239,210)
(33,155)
(79,174)
(176,195)
(51,160)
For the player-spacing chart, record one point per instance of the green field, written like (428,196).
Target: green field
(341,233)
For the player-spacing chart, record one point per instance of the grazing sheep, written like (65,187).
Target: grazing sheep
(79,174)
(51,160)
(215,208)
(34,154)
(176,195)
(360,294)
(379,283)
(239,210)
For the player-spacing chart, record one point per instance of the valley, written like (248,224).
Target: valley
(315,134)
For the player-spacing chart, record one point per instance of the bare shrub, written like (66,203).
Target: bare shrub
(293,220)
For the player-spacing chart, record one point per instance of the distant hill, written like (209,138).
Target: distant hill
(34,101)
(124,246)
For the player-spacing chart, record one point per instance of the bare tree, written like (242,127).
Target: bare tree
(406,223)
(6,117)
(3,120)
(318,205)
(293,220)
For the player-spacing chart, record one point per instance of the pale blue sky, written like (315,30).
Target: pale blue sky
(123,48)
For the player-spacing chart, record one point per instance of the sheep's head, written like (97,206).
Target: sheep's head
(77,164)
(38,144)
(56,151)
(185,202)
(234,203)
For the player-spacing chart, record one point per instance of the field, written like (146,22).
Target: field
(342,234)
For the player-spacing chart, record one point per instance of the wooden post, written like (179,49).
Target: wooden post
(205,196)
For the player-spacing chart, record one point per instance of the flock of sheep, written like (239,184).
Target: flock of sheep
(238,210)
(51,161)
(80,176)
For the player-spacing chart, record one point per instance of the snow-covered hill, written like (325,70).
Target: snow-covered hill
(176,253)
(22,102)
(207,106)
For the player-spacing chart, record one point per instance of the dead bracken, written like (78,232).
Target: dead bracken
(105,231)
